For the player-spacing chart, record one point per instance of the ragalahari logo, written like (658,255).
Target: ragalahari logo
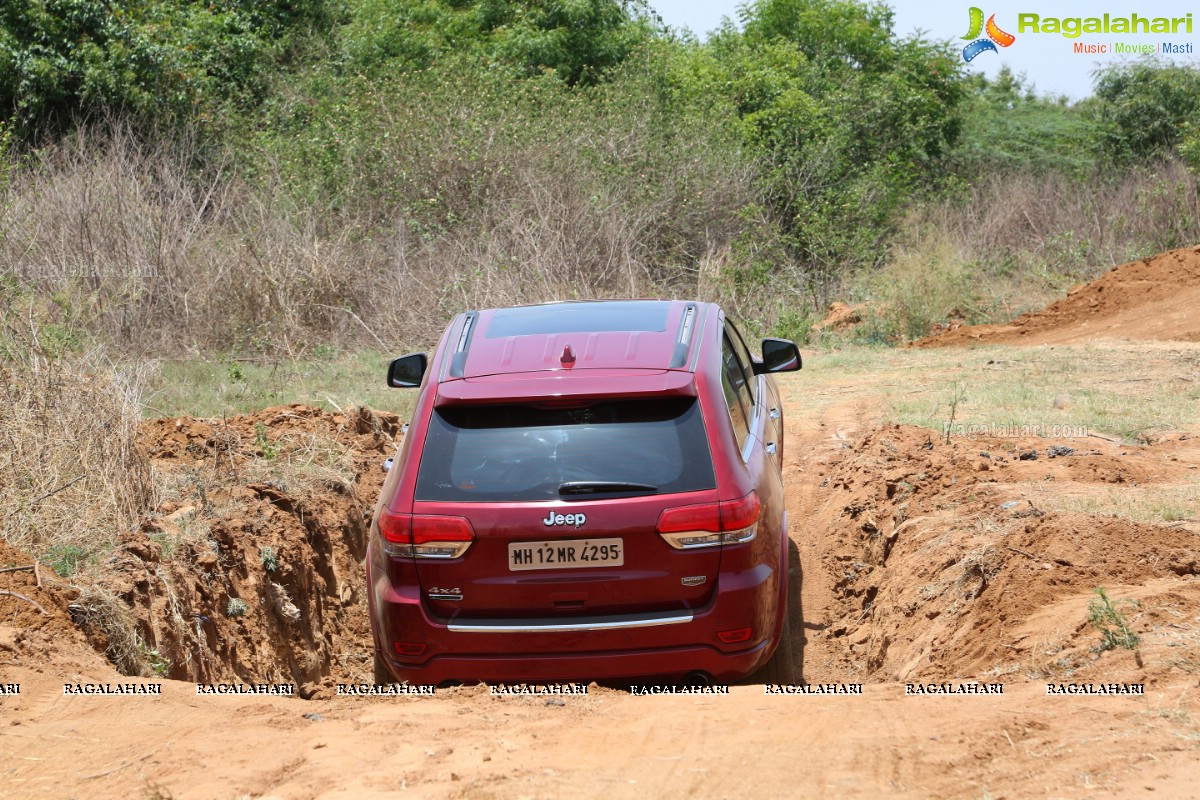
(995,36)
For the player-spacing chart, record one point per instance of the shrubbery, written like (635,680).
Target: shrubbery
(262,175)
(156,61)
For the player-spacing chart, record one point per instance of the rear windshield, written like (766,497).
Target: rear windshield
(522,452)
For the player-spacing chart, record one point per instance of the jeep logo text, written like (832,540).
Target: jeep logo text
(576,520)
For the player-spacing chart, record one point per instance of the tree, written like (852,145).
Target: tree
(1148,108)
(850,123)
(159,59)
(576,40)
(1009,129)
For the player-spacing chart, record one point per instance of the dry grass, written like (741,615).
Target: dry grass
(1153,504)
(137,246)
(303,464)
(71,478)
(299,464)
(104,613)
(1056,230)
(131,242)
(1008,244)
(73,481)
(1130,389)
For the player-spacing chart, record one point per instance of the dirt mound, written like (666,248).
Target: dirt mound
(944,565)
(840,317)
(35,613)
(1155,298)
(250,568)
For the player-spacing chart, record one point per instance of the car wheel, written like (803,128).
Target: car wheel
(780,668)
(382,676)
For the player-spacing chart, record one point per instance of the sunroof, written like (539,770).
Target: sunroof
(579,318)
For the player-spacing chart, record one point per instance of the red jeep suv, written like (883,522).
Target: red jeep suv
(587,491)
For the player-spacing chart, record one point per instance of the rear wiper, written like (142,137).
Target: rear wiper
(600,487)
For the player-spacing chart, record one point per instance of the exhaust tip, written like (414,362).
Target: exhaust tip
(698,679)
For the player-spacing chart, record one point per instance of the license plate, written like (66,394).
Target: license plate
(566,554)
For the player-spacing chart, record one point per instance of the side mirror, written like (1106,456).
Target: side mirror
(779,355)
(406,372)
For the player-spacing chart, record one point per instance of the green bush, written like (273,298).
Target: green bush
(1145,108)
(160,61)
(314,164)
(1009,129)
(575,41)
(1107,618)
(849,124)
(920,287)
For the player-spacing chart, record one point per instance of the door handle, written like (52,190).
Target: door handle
(773,413)
(770,448)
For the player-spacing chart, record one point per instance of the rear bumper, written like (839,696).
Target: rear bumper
(666,646)
(671,664)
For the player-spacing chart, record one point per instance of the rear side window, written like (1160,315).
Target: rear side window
(737,392)
(743,357)
(523,452)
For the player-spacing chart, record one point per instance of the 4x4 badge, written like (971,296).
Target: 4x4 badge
(576,520)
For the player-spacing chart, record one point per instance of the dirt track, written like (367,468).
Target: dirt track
(921,561)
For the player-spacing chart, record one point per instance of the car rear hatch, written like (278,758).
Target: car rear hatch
(561,501)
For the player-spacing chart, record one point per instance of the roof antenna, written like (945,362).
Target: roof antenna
(568,357)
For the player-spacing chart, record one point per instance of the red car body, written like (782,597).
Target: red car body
(587,491)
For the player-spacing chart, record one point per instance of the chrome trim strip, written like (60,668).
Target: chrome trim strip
(756,422)
(694,546)
(752,437)
(585,624)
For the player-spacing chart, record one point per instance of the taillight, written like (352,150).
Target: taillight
(740,514)
(424,535)
(710,524)
(706,517)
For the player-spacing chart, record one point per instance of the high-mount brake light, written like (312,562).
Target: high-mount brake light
(710,524)
(424,535)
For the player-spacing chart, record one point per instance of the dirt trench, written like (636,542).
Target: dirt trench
(914,559)
(929,561)
(250,568)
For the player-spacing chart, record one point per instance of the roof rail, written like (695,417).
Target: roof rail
(687,329)
(459,360)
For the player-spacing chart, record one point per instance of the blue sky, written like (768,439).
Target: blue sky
(1048,60)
